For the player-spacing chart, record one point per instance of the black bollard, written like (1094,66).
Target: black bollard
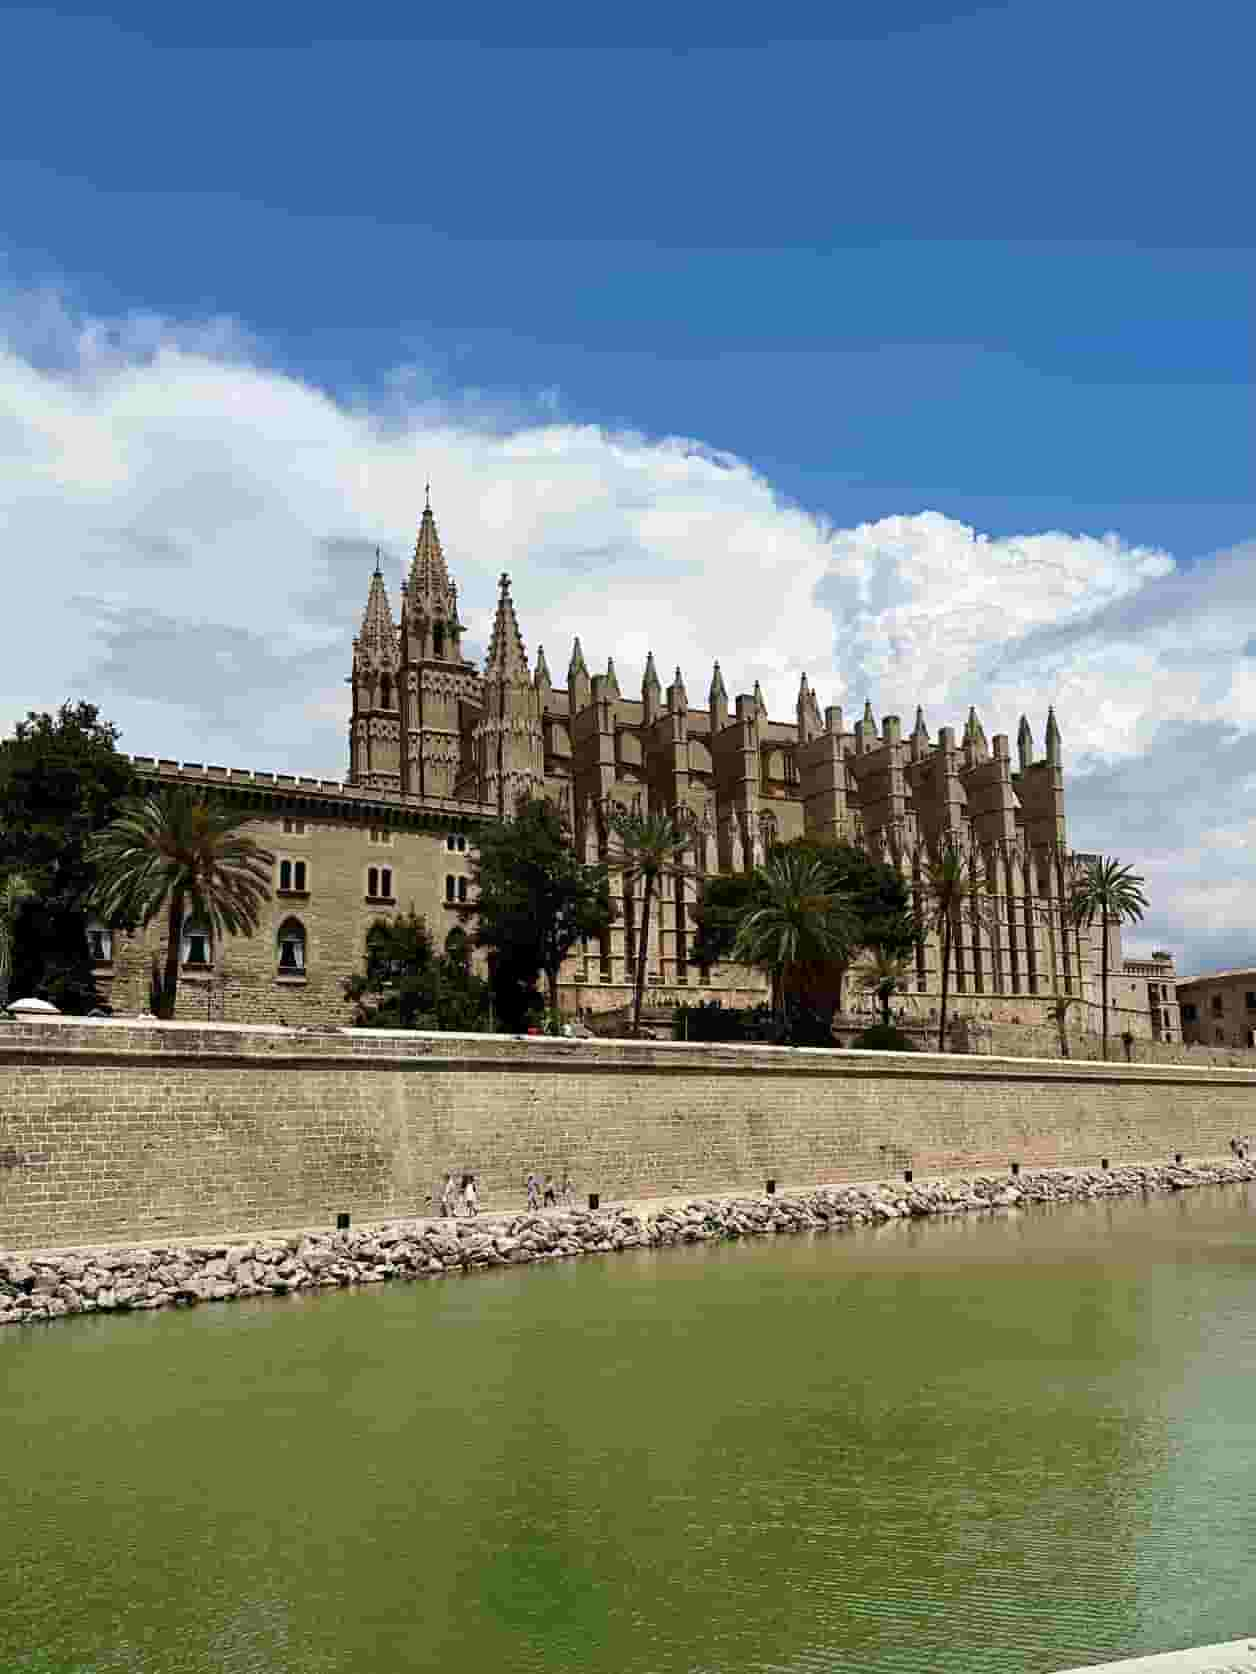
(1177,1157)
(342,1222)
(1015,1170)
(907,1175)
(595,1200)
(1104,1163)
(771,1188)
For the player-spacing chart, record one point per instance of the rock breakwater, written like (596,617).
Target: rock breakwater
(38,1286)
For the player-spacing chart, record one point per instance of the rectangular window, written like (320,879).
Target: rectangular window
(385,883)
(1249,1000)
(1189,1014)
(372,882)
(294,828)
(462,889)
(198,948)
(298,875)
(378,834)
(451,886)
(285,874)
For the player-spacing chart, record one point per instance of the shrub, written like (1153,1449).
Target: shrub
(884,1038)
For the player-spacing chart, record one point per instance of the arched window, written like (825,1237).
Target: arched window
(99,942)
(438,640)
(385,692)
(198,945)
(292,948)
(285,874)
(385,882)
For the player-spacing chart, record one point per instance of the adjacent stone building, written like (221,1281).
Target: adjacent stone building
(437,746)
(1219,1009)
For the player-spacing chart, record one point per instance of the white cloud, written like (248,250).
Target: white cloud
(188,534)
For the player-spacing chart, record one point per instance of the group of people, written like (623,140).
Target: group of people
(461,1198)
(546,1195)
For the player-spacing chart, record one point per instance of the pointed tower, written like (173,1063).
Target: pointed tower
(1053,738)
(718,701)
(808,713)
(435,677)
(677,697)
(579,686)
(375,728)
(541,680)
(651,691)
(509,753)
(612,679)
(1024,744)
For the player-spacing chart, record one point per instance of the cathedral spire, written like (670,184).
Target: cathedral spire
(718,700)
(1053,738)
(541,680)
(378,638)
(677,697)
(650,691)
(1024,743)
(506,659)
(579,686)
(920,730)
(576,665)
(612,679)
(429,575)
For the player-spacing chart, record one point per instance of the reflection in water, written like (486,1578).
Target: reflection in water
(1014,1444)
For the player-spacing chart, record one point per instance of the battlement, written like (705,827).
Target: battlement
(302,787)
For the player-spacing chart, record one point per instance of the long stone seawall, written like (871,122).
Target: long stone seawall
(113,1131)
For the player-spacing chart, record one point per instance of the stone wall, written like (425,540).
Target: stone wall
(113,1130)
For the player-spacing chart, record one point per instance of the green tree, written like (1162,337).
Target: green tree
(648,846)
(797,920)
(954,877)
(534,901)
(1113,894)
(15,892)
(61,779)
(186,853)
(875,892)
(883,974)
(405,984)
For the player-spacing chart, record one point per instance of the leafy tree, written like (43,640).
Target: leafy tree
(1112,893)
(875,891)
(15,892)
(404,984)
(183,852)
(649,845)
(61,779)
(883,974)
(797,920)
(534,901)
(954,876)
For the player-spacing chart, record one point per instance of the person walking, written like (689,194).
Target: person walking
(470,1197)
(566,1188)
(550,1199)
(448,1197)
(534,1191)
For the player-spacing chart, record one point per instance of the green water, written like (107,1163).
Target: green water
(1010,1444)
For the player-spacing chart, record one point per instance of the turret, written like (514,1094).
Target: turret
(612,679)
(677,698)
(541,679)
(1024,744)
(718,701)
(1053,739)
(579,687)
(651,692)
(508,740)
(374,729)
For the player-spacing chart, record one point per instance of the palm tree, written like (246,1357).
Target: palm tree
(14,891)
(953,874)
(187,853)
(1112,893)
(794,919)
(649,845)
(884,975)
(1058,1013)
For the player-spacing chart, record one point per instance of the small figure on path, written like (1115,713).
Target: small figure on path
(566,1188)
(534,1191)
(448,1197)
(470,1197)
(550,1200)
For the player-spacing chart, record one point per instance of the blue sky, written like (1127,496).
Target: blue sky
(911,349)
(995,260)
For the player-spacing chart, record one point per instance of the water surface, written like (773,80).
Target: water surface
(1006,1444)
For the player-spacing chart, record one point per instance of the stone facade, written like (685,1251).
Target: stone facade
(436,746)
(114,1131)
(1219,1009)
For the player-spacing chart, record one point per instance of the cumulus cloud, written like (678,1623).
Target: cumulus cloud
(189,533)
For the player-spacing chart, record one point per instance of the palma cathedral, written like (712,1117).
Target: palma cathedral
(438,745)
